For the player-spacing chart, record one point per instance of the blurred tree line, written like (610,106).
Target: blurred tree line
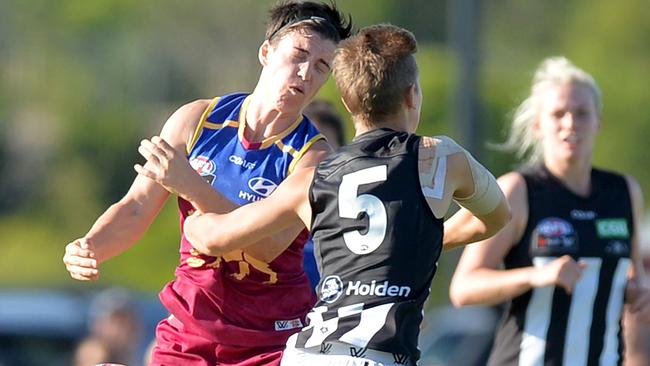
(82,82)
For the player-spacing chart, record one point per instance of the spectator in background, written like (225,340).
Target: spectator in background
(570,251)
(91,351)
(114,329)
(330,123)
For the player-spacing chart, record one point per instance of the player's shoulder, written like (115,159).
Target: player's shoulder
(195,107)
(512,178)
(514,187)
(180,127)
(634,187)
(439,145)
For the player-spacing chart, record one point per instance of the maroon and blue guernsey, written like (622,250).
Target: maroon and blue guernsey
(237,300)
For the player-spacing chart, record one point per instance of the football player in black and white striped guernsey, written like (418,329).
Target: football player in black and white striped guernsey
(375,209)
(570,250)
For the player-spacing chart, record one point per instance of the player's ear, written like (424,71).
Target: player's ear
(536,128)
(263,52)
(410,96)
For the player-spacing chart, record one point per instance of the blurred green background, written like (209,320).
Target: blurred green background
(81,82)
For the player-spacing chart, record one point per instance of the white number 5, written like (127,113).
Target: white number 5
(350,205)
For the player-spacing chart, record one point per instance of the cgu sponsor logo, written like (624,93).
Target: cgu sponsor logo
(612,228)
(333,287)
(238,160)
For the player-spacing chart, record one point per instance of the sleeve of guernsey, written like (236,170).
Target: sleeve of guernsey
(486,195)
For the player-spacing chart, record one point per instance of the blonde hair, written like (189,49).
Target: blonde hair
(552,71)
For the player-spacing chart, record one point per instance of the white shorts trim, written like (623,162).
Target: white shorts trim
(337,354)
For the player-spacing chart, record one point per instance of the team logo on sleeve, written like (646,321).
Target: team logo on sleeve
(555,234)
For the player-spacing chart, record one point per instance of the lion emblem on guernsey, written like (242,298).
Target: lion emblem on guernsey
(245,263)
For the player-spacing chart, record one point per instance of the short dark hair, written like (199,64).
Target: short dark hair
(324,19)
(373,70)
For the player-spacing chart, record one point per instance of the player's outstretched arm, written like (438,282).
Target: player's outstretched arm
(123,223)
(216,234)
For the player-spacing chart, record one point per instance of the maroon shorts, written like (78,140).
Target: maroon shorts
(175,346)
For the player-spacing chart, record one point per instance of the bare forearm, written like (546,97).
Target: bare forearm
(490,286)
(464,228)
(250,226)
(204,197)
(202,233)
(215,234)
(462,231)
(117,229)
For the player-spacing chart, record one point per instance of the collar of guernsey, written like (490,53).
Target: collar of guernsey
(242,171)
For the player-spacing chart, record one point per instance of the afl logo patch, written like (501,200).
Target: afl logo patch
(554,233)
(262,186)
(203,165)
(331,289)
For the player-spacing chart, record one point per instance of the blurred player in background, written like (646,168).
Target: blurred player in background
(115,330)
(571,250)
(238,308)
(637,331)
(330,123)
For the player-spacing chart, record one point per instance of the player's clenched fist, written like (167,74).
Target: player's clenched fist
(563,272)
(164,165)
(80,261)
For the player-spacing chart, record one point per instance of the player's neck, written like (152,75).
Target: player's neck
(576,175)
(397,122)
(263,121)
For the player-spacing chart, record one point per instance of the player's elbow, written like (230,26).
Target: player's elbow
(211,246)
(205,238)
(457,296)
(497,219)
(460,293)
(213,243)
